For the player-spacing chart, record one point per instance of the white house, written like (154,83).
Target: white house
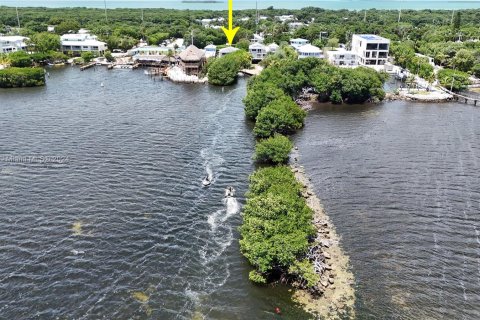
(12,43)
(298,42)
(371,50)
(342,57)
(226,51)
(210,51)
(81,42)
(51,28)
(309,51)
(258,51)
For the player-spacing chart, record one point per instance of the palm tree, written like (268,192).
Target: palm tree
(170,56)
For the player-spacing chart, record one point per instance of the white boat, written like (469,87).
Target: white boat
(229,192)
(206,181)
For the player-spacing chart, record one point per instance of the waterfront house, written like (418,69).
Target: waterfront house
(298,42)
(192,60)
(341,57)
(371,50)
(309,51)
(12,43)
(226,51)
(258,51)
(210,51)
(82,42)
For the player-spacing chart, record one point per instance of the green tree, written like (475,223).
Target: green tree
(46,41)
(453,79)
(280,116)
(275,149)
(464,60)
(243,44)
(259,96)
(224,71)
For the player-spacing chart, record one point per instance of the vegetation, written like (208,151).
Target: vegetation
(453,79)
(274,150)
(223,71)
(21,77)
(20,59)
(276,227)
(279,116)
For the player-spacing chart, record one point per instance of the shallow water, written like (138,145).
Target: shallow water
(401,183)
(102,210)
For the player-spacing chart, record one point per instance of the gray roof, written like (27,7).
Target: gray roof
(227,50)
(192,54)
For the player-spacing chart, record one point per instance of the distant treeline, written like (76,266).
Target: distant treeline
(122,27)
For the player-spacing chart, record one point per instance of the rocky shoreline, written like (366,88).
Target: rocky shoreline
(334,295)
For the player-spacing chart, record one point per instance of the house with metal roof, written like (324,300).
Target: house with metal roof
(226,51)
(309,51)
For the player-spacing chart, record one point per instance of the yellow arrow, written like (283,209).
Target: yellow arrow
(230,32)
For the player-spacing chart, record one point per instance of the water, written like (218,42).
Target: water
(250,4)
(401,183)
(107,217)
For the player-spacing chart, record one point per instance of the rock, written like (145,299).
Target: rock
(324,283)
(326,255)
(328,267)
(330,280)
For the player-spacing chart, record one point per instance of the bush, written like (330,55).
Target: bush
(273,150)
(280,116)
(22,77)
(20,59)
(476,70)
(259,96)
(87,56)
(223,71)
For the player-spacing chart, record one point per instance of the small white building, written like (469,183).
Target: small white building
(371,50)
(309,51)
(226,50)
(341,57)
(10,44)
(258,51)
(51,28)
(298,42)
(210,51)
(81,42)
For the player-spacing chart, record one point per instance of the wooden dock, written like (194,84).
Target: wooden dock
(460,97)
(87,66)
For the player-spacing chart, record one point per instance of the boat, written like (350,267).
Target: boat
(229,192)
(206,181)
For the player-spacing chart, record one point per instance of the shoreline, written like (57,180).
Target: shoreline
(337,281)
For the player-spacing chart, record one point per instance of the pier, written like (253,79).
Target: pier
(461,98)
(87,66)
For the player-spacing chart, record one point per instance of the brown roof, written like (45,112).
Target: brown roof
(191,54)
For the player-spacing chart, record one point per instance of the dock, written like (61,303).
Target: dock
(88,66)
(459,97)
